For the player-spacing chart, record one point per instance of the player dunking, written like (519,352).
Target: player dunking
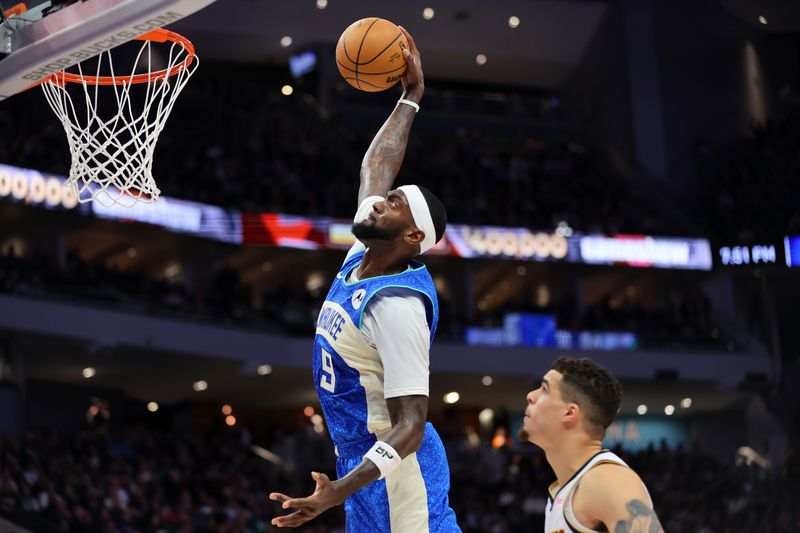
(371,352)
(595,490)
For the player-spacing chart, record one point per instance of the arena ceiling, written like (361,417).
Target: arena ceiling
(781,15)
(548,43)
(541,52)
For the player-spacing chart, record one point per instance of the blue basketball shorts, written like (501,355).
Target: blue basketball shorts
(412,499)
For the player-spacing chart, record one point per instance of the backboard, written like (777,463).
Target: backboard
(57,34)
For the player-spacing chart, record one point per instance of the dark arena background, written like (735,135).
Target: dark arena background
(622,179)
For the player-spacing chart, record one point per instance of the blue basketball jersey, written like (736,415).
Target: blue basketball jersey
(348,373)
(348,376)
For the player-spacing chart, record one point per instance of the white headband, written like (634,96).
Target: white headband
(421,214)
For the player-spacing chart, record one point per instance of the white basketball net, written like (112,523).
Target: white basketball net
(112,148)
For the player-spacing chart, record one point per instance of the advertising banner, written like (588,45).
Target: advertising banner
(750,254)
(791,247)
(646,252)
(180,216)
(460,240)
(34,188)
(539,331)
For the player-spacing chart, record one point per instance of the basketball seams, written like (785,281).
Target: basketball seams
(382,51)
(344,49)
(360,46)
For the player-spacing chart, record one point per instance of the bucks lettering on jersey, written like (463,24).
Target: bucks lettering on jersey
(348,373)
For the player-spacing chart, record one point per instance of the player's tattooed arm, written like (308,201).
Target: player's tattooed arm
(626,509)
(641,519)
(385,155)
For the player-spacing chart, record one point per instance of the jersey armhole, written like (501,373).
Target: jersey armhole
(427,302)
(570,518)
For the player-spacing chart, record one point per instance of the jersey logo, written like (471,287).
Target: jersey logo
(358,298)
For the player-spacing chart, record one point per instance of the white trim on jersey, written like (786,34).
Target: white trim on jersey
(559,514)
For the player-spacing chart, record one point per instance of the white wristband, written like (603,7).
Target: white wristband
(384,456)
(411,103)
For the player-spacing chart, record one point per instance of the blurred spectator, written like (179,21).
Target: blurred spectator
(754,194)
(242,145)
(683,318)
(138,479)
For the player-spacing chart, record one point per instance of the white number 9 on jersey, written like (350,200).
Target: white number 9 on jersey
(328,379)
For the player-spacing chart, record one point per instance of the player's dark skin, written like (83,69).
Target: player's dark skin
(378,170)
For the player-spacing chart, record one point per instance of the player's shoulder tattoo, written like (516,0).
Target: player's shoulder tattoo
(641,519)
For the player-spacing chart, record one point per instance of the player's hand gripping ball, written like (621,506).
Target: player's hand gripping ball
(369,54)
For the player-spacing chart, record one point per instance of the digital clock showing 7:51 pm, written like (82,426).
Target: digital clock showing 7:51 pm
(756,254)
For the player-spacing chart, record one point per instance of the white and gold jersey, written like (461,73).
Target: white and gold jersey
(559,516)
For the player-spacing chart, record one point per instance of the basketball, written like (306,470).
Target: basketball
(369,54)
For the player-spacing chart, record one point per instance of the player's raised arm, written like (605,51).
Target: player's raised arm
(372,343)
(385,155)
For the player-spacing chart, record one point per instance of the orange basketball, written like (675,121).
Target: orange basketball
(369,54)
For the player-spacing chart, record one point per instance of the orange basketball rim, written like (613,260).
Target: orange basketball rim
(158,35)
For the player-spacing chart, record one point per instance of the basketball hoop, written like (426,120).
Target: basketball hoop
(112,156)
